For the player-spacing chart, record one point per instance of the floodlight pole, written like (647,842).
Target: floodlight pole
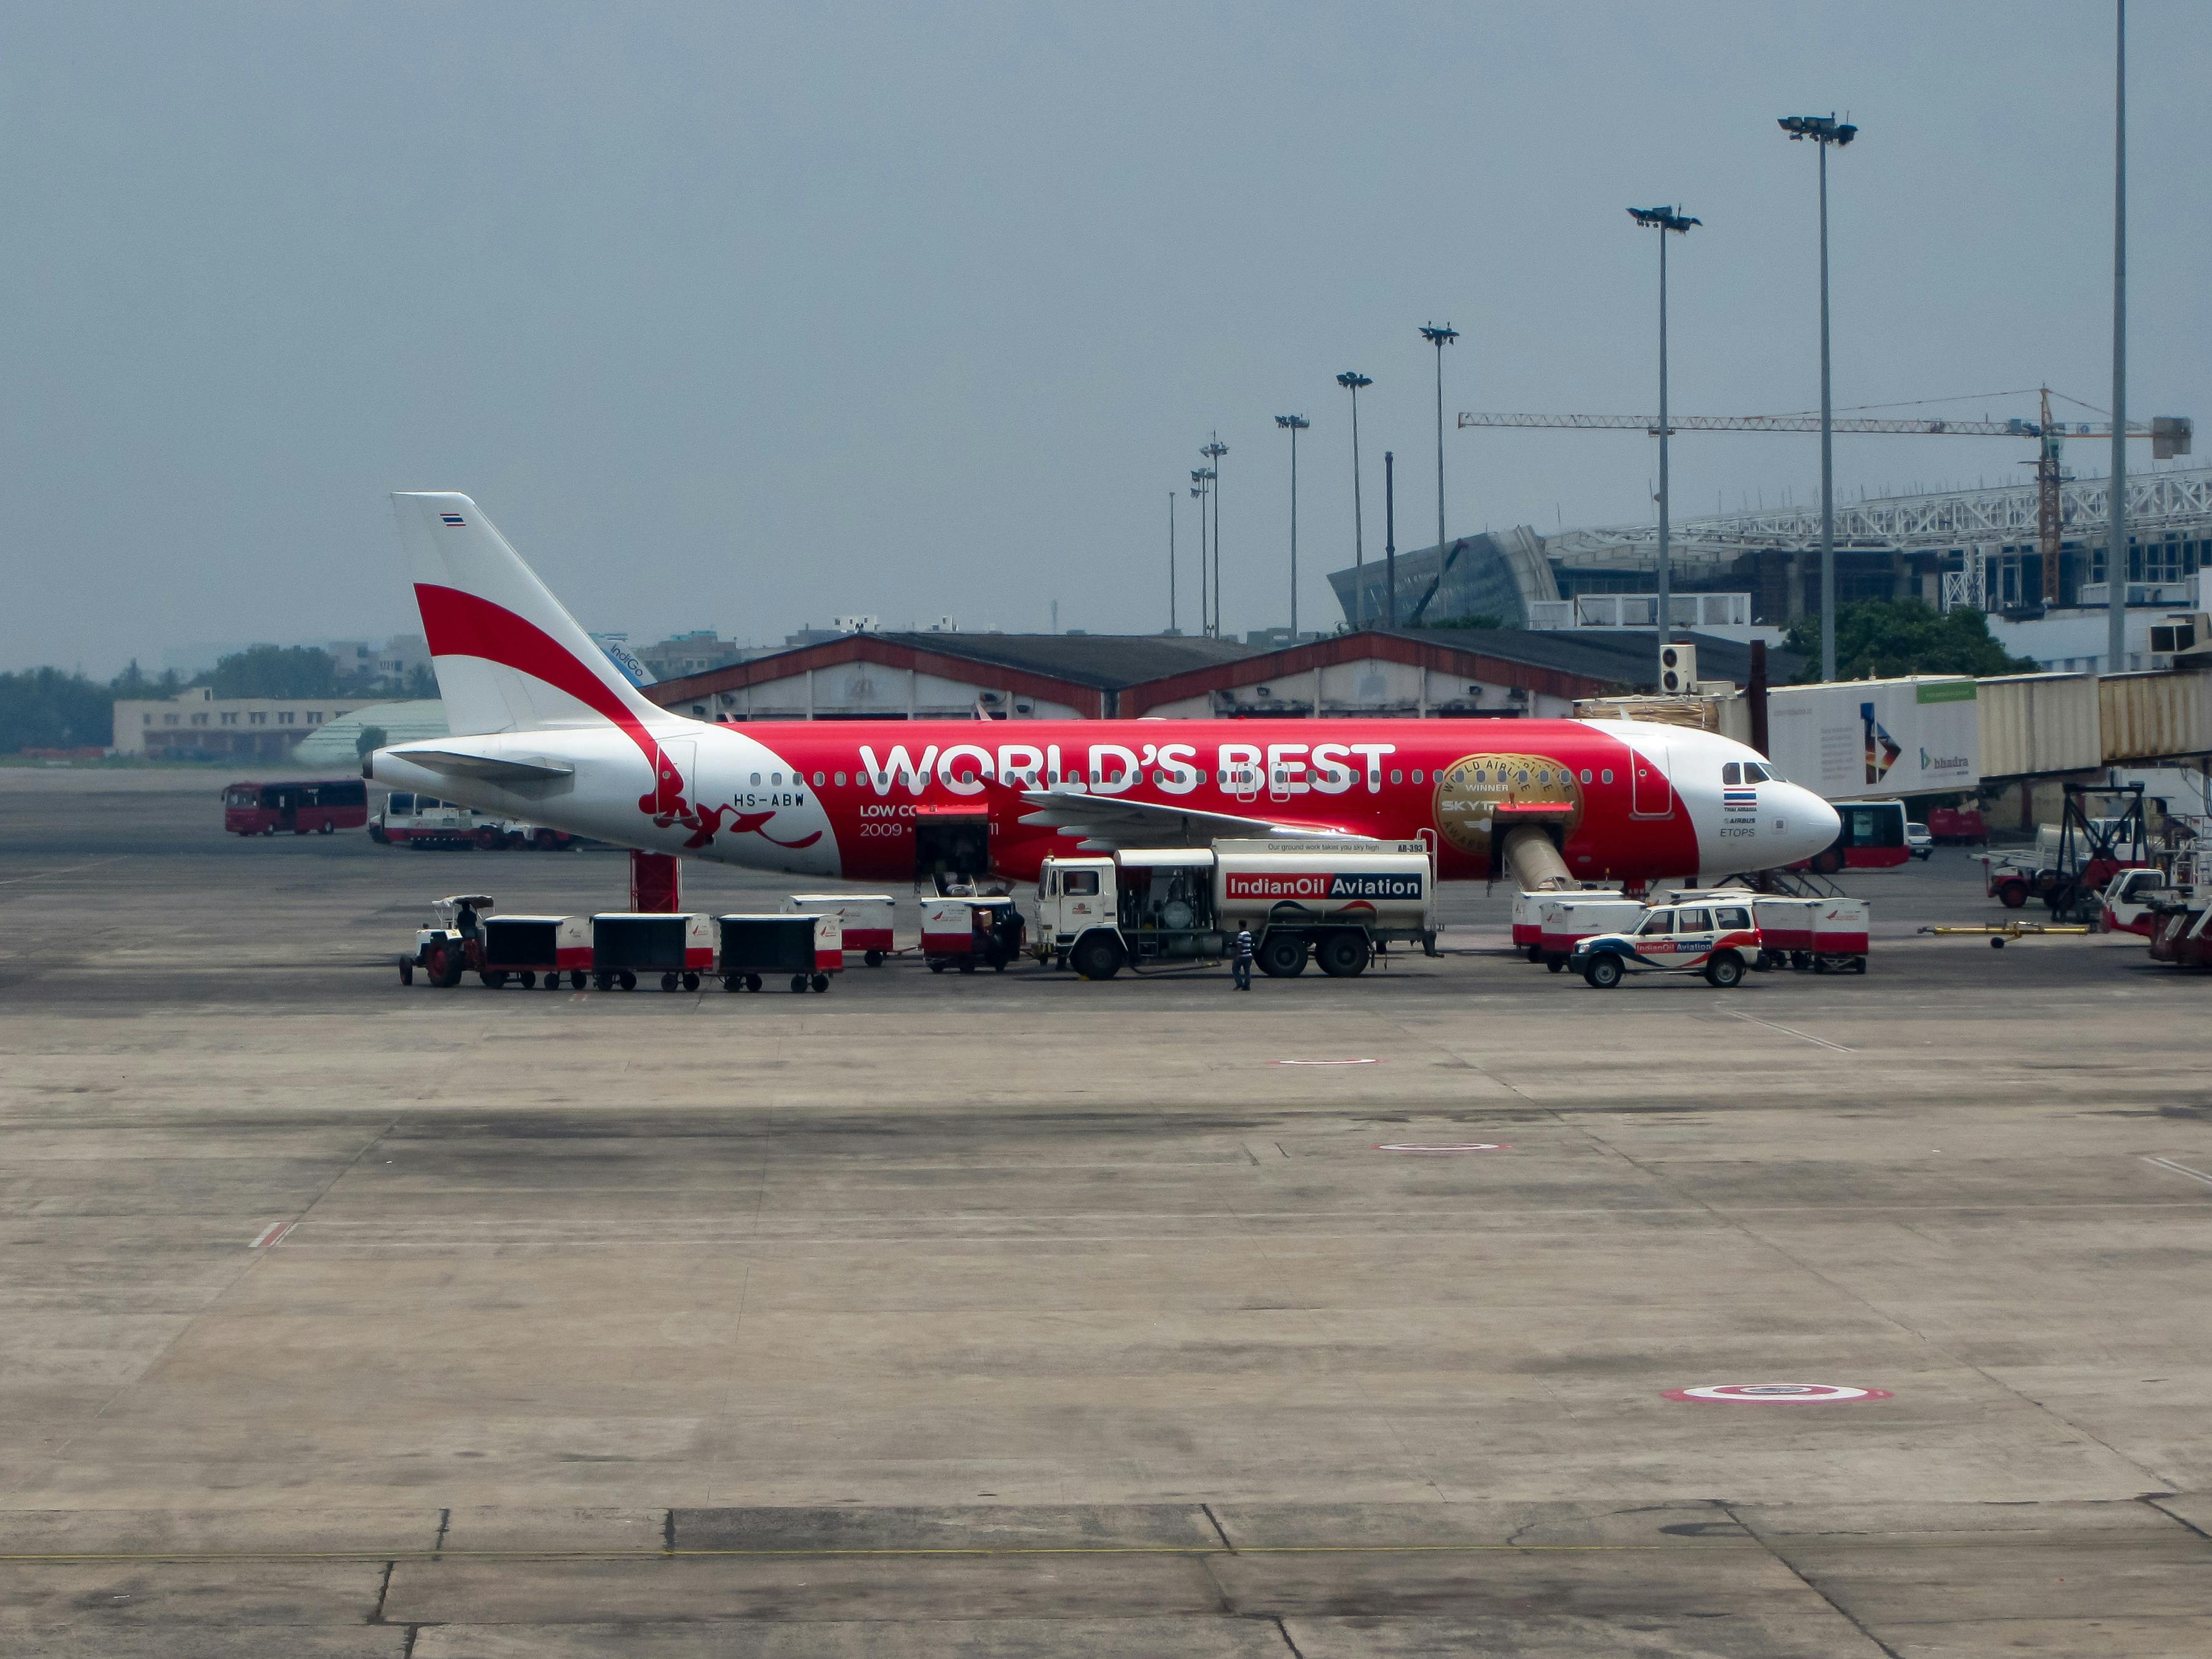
(1294,424)
(1352,380)
(2116,559)
(1440,337)
(1824,131)
(1214,452)
(1663,219)
(1171,562)
(1390,537)
(1201,483)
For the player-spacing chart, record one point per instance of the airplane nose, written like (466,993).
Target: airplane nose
(1812,824)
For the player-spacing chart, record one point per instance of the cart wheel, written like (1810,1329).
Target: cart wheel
(1557,964)
(1858,964)
(493,977)
(529,978)
(733,981)
(602,982)
(936,967)
(874,958)
(798,982)
(1996,944)
(821,981)
(553,980)
(575,979)
(406,972)
(628,980)
(967,965)
(1800,960)
(1535,953)
(691,982)
(668,982)
(325,828)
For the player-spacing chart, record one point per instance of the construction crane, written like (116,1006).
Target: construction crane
(2169,436)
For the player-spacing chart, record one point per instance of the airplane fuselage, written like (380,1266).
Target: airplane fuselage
(1632,801)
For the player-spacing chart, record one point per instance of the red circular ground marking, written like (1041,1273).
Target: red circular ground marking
(1324,1062)
(1775,1393)
(1470,1146)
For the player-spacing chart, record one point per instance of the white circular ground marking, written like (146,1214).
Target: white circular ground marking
(1783,1393)
(1469,1147)
(1324,1062)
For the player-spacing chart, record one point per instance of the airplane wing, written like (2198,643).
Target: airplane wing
(442,755)
(1105,822)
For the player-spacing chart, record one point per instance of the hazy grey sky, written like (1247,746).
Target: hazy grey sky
(735,316)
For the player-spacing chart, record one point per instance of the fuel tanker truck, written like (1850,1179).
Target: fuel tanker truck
(1335,903)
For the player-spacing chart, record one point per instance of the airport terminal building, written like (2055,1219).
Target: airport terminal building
(1972,547)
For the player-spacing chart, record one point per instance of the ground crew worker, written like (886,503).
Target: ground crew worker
(1239,958)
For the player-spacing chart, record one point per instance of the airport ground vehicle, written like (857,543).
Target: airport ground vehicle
(1957,823)
(967,933)
(2077,857)
(807,947)
(525,949)
(451,945)
(679,947)
(2182,934)
(1565,919)
(318,808)
(1827,935)
(1335,903)
(411,819)
(1918,841)
(1872,837)
(864,918)
(1718,940)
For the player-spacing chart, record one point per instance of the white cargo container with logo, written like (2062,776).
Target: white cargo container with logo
(1338,902)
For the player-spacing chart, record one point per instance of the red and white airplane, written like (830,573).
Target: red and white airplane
(547,729)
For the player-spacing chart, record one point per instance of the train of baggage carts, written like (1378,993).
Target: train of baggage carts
(1720,933)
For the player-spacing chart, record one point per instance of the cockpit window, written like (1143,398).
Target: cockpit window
(1732,773)
(1755,773)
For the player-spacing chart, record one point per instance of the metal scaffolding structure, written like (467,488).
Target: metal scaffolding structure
(1953,520)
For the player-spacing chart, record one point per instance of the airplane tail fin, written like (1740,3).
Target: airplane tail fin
(510,657)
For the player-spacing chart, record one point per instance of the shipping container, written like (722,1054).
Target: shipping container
(2035,725)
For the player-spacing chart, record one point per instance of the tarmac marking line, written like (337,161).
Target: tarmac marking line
(2180,1169)
(1790,1030)
(66,869)
(272,1235)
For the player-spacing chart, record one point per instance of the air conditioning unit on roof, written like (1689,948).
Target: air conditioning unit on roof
(1678,669)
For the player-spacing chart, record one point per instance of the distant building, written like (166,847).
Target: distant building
(197,724)
(691,653)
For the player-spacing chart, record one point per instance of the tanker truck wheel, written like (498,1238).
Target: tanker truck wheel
(1341,955)
(1096,956)
(1282,954)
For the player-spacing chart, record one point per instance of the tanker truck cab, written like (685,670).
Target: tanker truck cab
(1337,901)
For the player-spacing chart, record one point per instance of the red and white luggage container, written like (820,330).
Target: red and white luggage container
(678,947)
(966,933)
(866,918)
(1785,930)
(1563,919)
(1528,923)
(1840,936)
(806,948)
(525,948)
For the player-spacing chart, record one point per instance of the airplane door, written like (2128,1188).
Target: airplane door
(1650,792)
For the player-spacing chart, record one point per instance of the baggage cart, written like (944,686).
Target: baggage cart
(627,943)
(806,948)
(866,917)
(1839,936)
(524,949)
(1785,931)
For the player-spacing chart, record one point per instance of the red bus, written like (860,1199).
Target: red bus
(1872,838)
(263,809)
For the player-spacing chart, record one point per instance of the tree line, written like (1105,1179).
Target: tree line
(49,708)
